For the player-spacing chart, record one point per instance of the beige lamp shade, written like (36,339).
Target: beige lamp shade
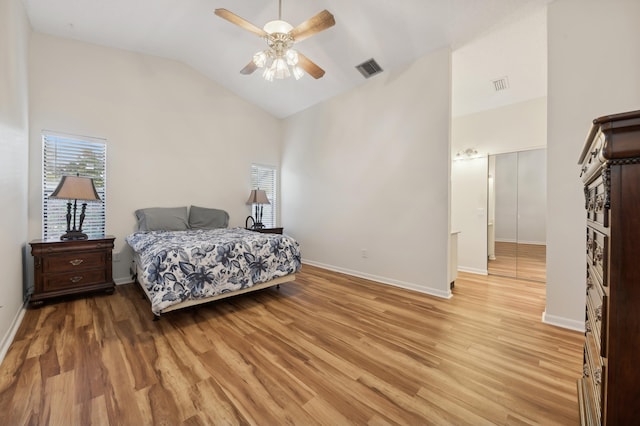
(258,196)
(76,188)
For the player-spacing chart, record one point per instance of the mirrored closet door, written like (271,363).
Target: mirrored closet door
(517,215)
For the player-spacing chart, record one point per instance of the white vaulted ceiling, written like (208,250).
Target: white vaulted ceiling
(395,33)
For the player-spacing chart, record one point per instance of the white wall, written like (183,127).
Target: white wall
(516,127)
(594,69)
(174,137)
(368,170)
(14,127)
(469,193)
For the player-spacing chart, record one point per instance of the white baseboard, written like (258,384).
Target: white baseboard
(383,280)
(563,322)
(11,334)
(123,280)
(473,270)
(533,243)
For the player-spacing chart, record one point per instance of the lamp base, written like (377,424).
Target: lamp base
(246,222)
(74,235)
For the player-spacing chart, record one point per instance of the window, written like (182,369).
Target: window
(70,155)
(264,177)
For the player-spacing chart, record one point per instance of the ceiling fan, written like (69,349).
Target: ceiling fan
(280,37)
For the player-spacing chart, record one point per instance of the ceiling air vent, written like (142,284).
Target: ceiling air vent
(501,83)
(369,68)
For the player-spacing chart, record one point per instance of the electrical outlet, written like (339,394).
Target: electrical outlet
(364,253)
(116,257)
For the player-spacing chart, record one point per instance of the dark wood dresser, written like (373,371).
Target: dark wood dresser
(609,391)
(62,268)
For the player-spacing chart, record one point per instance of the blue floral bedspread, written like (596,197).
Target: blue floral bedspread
(194,264)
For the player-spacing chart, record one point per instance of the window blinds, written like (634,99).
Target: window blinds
(70,155)
(264,177)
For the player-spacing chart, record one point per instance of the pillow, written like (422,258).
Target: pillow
(203,218)
(162,219)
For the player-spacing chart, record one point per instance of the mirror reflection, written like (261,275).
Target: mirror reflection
(517,215)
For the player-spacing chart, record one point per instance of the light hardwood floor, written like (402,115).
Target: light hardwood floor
(324,349)
(524,261)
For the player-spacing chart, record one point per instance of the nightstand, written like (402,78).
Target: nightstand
(267,230)
(63,268)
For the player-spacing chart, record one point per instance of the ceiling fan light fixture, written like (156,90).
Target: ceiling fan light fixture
(277,27)
(292,57)
(260,59)
(280,37)
(297,72)
(269,73)
(281,68)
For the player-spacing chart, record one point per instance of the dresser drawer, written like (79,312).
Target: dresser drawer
(73,261)
(595,311)
(73,279)
(588,412)
(598,253)
(592,159)
(595,203)
(593,371)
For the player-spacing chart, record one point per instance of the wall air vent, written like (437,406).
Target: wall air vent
(501,83)
(369,68)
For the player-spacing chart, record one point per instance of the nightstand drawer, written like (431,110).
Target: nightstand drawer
(63,268)
(73,279)
(73,261)
(267,230)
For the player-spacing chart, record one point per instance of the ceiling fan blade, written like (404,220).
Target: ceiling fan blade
(311,26)
(249,68)
(309,66)
(241,22)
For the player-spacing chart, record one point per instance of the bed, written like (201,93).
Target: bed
(184,259)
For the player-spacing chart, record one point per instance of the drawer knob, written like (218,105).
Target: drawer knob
(76,262)
(75,279)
